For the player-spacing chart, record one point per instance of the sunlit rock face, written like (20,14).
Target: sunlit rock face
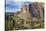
(30,12)
(25,11)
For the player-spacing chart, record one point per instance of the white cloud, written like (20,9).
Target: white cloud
(14,10)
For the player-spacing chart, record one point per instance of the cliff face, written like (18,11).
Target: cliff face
(30,12)
(24,14)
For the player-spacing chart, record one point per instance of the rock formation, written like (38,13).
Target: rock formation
(30,12)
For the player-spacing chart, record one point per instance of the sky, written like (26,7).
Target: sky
(13,6)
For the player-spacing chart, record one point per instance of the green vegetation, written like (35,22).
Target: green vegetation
(16,23)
